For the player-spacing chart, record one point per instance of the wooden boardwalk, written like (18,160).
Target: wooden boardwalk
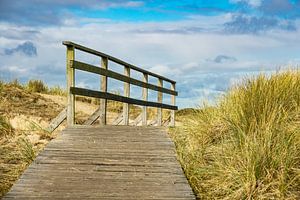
(108,162)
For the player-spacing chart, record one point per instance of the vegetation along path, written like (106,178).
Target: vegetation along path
(105,162)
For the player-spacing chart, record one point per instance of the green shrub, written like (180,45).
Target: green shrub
(248,146)
(37,86)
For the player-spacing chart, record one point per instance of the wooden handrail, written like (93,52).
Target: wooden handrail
(110,96)
(104,72)
(116,60)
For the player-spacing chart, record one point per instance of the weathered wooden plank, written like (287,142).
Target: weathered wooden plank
(93,118)
(116,60)
(159,100)
(104,168)
(70,83)
(57,120)
(126,94)
(103,88)
(118,119)
(85,163)
(94,69)
(173,102)
(166,122)
(138,119)
(145,98)
(153,122)
(110,96)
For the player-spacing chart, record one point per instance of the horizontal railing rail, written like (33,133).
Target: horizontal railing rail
(114,97)
(116,60)
(104,73)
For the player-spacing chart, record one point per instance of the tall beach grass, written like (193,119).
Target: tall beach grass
(248,145)
(5,127)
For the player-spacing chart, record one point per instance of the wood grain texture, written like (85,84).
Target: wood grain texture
(118,120)
(126,94)
(145,98)
(159,100)
(108,162)
(103,87)
(70,83)
(173,102)
(58,120)
(93,118)
(137,120)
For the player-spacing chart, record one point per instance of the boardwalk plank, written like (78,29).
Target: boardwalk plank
(108,162)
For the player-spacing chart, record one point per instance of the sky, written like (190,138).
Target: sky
(206,46)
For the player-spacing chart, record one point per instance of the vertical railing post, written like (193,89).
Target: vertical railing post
(103,102)
(173,102)
(126,94)
(159,100)
(145,98)
(70,83)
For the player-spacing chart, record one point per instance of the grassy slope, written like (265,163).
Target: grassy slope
(248,146)
(23,117)
(25,111)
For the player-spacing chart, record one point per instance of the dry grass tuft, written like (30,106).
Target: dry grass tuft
(5,127)
(19,144)
(39,130)
(16,153)
(248,146)
(57,90)
(15,83)
(36,86)
(27,150)
(2,84)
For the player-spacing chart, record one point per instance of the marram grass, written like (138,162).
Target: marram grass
(5,127)
(248,146)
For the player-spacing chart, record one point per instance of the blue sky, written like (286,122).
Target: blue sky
(206,46)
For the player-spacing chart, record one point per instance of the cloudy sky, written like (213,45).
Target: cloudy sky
(205,45)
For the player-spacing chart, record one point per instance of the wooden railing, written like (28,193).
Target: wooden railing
(104,73)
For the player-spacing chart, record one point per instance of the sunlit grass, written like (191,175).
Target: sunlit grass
(27,150)
(16,154)
(248,145)
(36,86)
(5,127)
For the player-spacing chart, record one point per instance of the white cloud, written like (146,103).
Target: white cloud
(254,3)
(178,55)
(16,69)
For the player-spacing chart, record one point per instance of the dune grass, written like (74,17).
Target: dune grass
(19,144)
(16,153)
(36,86)
(1,85)
(40,87)
(5,127)
(248,145)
